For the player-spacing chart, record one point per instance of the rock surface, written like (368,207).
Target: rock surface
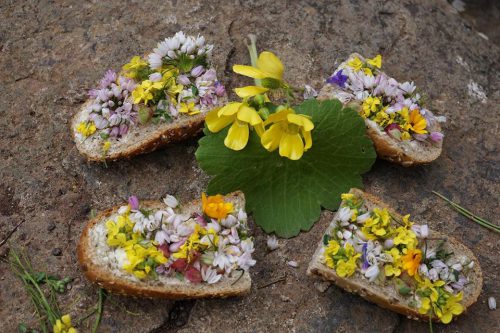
(52,52)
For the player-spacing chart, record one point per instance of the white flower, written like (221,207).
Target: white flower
(422,231)
(155,61)
(184,230)
(242,215)
(171,54)
(173,43)
(309,92)
(372,272)
(293,263)
(347,234)
(433,274)
(161,49)
(272,243)
(229,222)
(407,87)
(492,303)
(247,245)
(170,201)
(423,269)
(155,77)
(210,275)
(245,261)
(213,225)
(457,267)
(234,238)
(200,41)
(162,237)
(344,214)
(363,217)
(180,37)
(123,209)
(221,260)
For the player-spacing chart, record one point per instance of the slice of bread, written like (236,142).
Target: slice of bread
(139,140)
(404,152)
(98,267)
(386,295)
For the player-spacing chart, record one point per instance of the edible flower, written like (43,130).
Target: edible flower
(370,104)
(269,69)
(290,132)
(338,79)
(376,61)
(144,92)
(86,128)
(63,325)
(189,108)
(355,63)
(417,122)
(241,115)
(411,261)
(451,308)
(215,207)
(131,69)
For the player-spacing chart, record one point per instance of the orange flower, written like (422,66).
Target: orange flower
(215,207)
(411,261)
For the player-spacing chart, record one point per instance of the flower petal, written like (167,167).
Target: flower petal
(278,116)
(229,109)
(272,137)
(248,114)
(250,91)
(237,137)
(291,146)
(271,65)
(216,123)
(249,71)
(301,120)
(307,139)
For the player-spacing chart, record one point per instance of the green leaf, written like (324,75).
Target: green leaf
(286,196)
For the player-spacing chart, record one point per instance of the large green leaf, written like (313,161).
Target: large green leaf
(286,196)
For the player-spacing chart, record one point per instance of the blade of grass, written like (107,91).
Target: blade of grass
(100,303)
(469,214)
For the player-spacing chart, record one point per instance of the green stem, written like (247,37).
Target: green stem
(99,310)
(430,324)
(469,214)
(252,50)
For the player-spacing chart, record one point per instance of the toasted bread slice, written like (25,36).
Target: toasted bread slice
(92,250)
(386,295)
(404,152)
(139,140)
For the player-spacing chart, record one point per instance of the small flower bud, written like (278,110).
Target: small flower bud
(492,303)
(197,71)
(272,243)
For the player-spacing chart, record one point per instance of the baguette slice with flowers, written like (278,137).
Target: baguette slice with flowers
(402,129)
(151,102)
(162,249)
(371,250)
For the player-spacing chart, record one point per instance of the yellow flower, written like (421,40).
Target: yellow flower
(331,249)
(268,66)
(347,196)
(215,207)
(250,91)
(370,104)
(405,135)
(376,61)
(192,245)
(345,268)
(144,91)
(63,325)
(355,64)
(106,146)
(136,64)
(290,132)
(406,237)
(452,307)
(393,268)
(411,261)
(86,128)
(241,115)
(417,122)
(140,258)
(188,108)
(368,71)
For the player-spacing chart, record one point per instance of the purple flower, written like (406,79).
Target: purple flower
(220,90)
(366,264)
(109,77)
(436,136)
(183,79)
(93,93)
(338,79)
(197,71)
(133,202)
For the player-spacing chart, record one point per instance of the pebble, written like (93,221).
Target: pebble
(492,303)
(293,263)
(57,251)
(322,286)
(51,226)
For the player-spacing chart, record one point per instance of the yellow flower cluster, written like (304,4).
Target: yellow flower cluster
(367,67)
(288,131)
(142,255)
(342,259)
(146,91)
(86,128)
(63,325)
(134,67)
(196,243)
(436,301)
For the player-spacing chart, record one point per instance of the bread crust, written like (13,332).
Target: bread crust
(236,286)
(178,130)
(374,293)
(387,147)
